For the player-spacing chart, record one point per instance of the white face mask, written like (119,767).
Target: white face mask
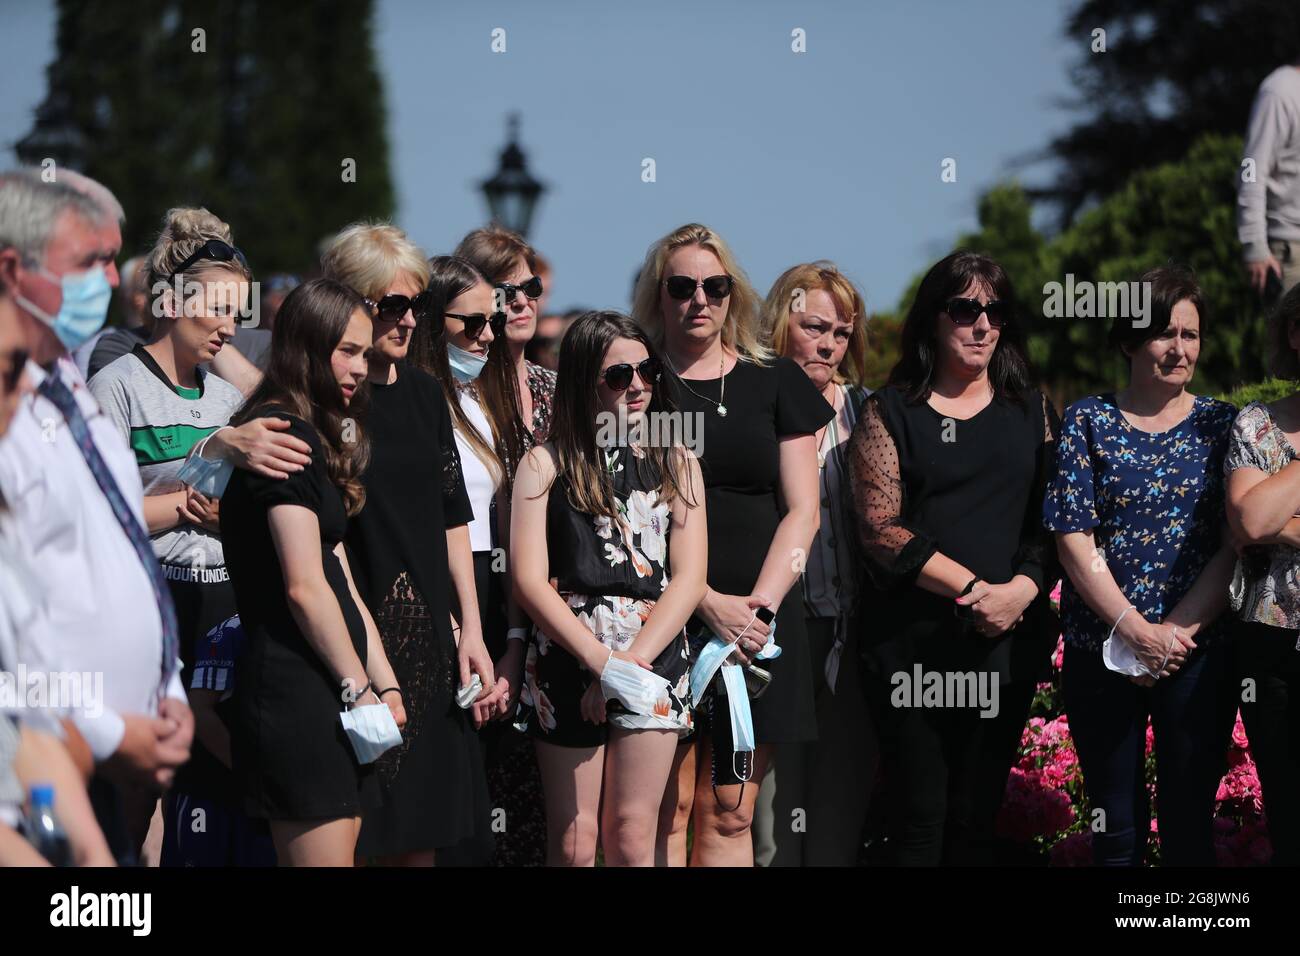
(716,652)
(638,689)
(371,730)
(1117,654)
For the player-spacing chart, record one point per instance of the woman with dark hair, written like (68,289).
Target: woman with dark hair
(1136,502)
(510,265)
(312,647)
(411,555)
(948,463)
(619,526)
(464,348)
(1263,501)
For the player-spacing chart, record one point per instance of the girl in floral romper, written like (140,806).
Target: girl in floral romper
(594,513)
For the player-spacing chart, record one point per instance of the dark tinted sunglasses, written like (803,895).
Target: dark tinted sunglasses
(474,323)
(532,288)
(214,250)
(619,377)
(391,308)
(11,375)
(967,312)
(683,287)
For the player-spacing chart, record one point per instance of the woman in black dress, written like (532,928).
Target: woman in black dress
(949,464)
(410,546)
(312,648)
(754,420)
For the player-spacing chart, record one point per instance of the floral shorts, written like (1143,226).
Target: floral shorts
(554,680)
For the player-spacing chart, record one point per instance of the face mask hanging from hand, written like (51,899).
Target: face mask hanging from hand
(86,296)
(638,689)
(466,366)
(371,730)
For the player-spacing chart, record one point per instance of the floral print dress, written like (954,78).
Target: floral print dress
(610,572)
(1154,502)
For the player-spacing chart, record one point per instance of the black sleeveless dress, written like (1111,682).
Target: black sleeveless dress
(610,573)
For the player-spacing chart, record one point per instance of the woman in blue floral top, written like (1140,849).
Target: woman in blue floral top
(1263,499)
(1137,507)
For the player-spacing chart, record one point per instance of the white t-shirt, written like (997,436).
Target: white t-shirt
(478,480)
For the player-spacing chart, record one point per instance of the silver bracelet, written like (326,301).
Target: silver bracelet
(1118,619)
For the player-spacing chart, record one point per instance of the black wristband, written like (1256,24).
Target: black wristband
(387,689)
(970,587)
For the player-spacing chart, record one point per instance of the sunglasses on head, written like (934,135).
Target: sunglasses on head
(683,287)
(214,250)
(391,308)
(474,323)
(11,375)
(619,377)
(965,312)
(532,288)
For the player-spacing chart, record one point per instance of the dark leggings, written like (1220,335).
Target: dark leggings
(946,773)
(1191,713)
(1267,656)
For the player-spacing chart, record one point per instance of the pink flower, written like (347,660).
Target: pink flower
(1074,850)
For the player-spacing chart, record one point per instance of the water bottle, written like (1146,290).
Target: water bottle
(42,828)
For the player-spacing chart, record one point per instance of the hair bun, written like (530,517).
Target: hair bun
(184,224)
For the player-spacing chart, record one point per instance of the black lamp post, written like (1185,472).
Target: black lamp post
(512,193)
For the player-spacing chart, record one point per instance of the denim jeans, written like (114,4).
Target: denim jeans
(1192,714)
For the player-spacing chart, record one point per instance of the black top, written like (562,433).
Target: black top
(250,551)
(598,555)
(414,493)
(972,489)
(741,459)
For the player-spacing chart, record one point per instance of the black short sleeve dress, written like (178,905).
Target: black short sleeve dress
(740,459)
(434,790)
(292,759)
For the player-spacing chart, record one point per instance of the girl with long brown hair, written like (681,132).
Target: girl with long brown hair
(312,647)
(618,524)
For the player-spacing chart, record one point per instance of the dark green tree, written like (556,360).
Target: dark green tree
(1172,71)
(254,117)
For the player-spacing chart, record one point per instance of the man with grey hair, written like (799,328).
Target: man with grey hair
(75,495)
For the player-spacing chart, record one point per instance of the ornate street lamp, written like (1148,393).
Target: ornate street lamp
(512,193)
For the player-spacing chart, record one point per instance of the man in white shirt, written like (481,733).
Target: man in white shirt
(1268,196)
(72,498)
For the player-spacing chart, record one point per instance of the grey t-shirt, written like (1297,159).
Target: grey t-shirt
(162,423)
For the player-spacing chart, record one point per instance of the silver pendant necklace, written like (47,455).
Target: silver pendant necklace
(722,393)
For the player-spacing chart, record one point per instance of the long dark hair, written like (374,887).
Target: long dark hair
(573,434)
(919,351)
(300,379)
(449,277)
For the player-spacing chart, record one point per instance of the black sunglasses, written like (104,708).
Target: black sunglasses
(619,377)
(216,251)
(391,308)
(17,363)
(966,312)
(683,287)
(532,288)
(474,323)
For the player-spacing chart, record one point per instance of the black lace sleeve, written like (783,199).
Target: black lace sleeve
(456,507)
(895,552)
(1036,557)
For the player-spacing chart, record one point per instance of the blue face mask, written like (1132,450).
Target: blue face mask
(86,296)
(466,366)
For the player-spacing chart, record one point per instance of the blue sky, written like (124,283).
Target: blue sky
(833,153)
